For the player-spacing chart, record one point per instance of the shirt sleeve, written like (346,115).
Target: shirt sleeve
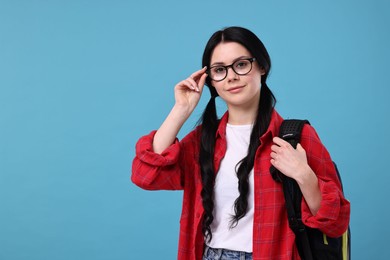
(153,171)
(333,215)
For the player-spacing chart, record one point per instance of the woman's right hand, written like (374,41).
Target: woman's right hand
(187,95)
(189,91)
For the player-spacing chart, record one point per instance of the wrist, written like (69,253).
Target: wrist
(306,176)
(180,113)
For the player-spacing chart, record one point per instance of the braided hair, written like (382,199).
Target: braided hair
(210,121)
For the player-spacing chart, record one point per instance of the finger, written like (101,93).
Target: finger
(278,142)
(275,148)
(300,148)
(190,83)
(198,83)
(273,162)
(202,81)
(282,143)
(193,84)
(197,74)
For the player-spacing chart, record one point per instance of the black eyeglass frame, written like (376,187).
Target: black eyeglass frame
(251,60)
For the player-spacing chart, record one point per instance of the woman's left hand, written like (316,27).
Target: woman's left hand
(293,163)
(289,161)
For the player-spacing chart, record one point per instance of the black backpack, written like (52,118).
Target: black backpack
(312,244)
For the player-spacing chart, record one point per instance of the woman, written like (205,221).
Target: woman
(232,207)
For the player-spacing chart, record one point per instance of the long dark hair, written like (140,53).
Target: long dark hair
(210,121)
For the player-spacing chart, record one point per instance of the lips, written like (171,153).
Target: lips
(235,89)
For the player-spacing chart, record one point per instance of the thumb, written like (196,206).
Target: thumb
(300,148)
(202,81)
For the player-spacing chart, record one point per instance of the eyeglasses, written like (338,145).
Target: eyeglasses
(240,67)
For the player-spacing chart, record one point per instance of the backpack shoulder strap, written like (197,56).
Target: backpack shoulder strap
(290,130)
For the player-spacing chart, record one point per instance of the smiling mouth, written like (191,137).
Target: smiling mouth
(235,89)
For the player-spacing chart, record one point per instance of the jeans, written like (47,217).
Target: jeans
(224,254)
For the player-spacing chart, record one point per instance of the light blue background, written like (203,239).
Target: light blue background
(81,81)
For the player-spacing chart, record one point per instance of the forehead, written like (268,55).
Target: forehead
(227,52)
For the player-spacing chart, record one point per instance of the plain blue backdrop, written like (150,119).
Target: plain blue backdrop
(81,81)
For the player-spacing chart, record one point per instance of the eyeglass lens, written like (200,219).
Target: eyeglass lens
(241,67)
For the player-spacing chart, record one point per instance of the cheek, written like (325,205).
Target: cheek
(256,81)
(217,86)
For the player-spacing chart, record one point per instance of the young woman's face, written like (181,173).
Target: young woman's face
(236,90)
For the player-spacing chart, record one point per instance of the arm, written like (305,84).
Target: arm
(187,95)
(331,213)
(157,161)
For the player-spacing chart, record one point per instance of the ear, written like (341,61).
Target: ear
(262,71)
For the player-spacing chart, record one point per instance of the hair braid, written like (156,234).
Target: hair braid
(206,161)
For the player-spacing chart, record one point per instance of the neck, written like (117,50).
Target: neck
(242,116)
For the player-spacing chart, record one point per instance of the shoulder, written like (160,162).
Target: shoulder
(312,143)
(274,125)
(310,133)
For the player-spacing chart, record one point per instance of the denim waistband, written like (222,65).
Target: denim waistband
(225,254)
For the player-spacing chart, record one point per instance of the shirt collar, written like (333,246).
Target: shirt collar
(272,131)
(221,131)
(273,128)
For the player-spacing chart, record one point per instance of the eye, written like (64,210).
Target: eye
(241,64)
(218,70)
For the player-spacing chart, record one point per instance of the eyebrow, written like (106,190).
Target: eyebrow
(236,59)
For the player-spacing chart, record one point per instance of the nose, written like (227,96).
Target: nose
(231,74)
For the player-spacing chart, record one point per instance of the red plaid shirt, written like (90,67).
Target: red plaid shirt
(177,168)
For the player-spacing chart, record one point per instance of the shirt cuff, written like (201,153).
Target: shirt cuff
(329,210)
(144,151)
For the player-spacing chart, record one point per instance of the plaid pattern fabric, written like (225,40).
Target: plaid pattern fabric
(177,168)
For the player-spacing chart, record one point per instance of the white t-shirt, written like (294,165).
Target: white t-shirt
(226,191)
